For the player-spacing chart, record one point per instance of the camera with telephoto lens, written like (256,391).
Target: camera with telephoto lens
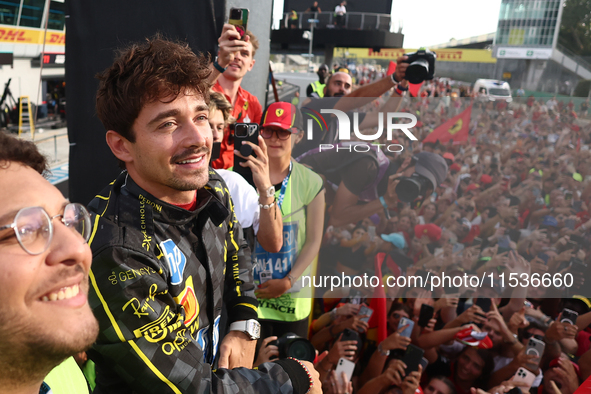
(291,345)
(421,65)
(411,187)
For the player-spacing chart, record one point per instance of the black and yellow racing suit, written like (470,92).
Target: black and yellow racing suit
(159,277)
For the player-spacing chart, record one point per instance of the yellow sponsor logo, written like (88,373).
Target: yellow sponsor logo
(31,36)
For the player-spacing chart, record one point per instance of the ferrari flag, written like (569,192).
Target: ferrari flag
(455,129)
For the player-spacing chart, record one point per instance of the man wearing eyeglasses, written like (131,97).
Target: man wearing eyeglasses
(44,265)
(168,250)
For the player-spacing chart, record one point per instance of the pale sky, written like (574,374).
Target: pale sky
(431,22)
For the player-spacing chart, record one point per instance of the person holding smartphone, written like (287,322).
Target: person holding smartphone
(235,59)
(284,306)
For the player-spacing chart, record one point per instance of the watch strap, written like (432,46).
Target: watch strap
(382,351)
(218,67)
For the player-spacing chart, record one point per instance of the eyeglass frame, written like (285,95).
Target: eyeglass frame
(276,131)
(51,227)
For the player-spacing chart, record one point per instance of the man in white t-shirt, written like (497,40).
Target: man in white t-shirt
(256,210)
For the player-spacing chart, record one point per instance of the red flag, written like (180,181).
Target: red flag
(456,128)
(391,68)
(413,88)
(585,387)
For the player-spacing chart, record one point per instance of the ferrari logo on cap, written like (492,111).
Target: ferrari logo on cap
(279,112)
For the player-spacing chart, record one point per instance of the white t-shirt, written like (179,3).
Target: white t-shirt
(340,9)
(245,199)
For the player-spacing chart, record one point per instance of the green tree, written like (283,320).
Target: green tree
(575,28)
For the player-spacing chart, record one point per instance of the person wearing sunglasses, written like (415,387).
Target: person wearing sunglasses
(168,251)
(44,265)
(284,304)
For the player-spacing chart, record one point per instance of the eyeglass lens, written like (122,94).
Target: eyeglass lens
(34,228)
(281,134)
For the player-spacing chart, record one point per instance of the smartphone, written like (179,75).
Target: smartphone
(239,18)
(477,241)
(371,231)
(216,150)
(570,224)
(536,192)
(484,304)
(569,316)
(245,132)
(423,274)
(504,242)
(458,247)
(345,366)
(412,358)
(426,314)
(536,348)
(525,376)
(568,195)
(408,330)
(577,206)
(544,257)
(365,310)
(423,363)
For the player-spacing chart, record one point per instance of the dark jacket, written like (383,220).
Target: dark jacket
(159,277)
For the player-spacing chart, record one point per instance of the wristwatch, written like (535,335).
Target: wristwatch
(250,327)
(270,192)
(382,351)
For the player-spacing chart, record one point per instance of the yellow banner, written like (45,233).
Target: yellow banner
(443,55)
(19,35)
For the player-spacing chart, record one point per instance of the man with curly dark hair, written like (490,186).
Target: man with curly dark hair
(168,250)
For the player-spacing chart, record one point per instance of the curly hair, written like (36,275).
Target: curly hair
(157,69)
(13,149)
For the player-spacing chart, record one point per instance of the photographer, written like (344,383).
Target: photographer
(367,182)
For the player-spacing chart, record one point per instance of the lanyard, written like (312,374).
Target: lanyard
(284,187)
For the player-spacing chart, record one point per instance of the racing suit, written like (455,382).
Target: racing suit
(159,277)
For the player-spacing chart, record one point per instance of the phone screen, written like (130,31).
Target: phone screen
(504,242)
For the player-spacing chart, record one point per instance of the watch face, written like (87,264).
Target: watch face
(254,329)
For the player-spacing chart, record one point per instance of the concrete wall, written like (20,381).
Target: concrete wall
(259,22)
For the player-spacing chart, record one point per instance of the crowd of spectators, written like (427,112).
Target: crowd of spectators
(515,201)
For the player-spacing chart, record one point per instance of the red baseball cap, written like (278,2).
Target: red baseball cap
(284,115)
(431,230)
(472,186)
(450,156)
(455,167)
(485,179)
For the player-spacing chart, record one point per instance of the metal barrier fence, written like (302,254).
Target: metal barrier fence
(351,21)
(54,137)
